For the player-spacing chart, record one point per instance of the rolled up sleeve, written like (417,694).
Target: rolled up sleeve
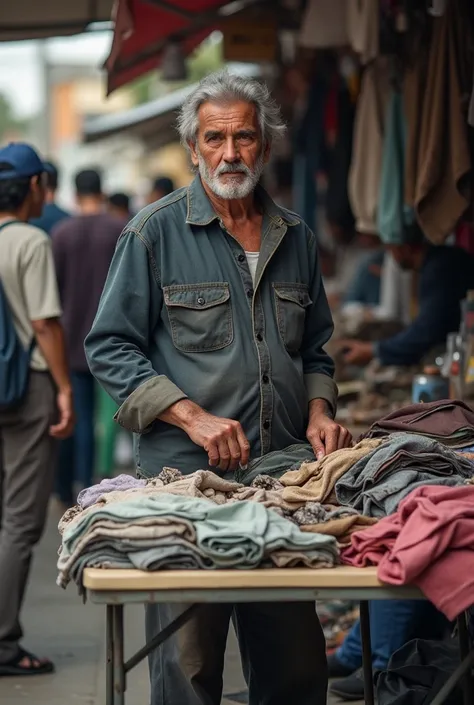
(116,347)
(318,366)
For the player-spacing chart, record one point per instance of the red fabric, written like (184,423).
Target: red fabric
(464,237)
(142,28)
(429,543)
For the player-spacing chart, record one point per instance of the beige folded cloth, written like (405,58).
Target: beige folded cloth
(314,482)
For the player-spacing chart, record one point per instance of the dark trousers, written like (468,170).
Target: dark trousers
(76,454)
(282,649)
(27,461)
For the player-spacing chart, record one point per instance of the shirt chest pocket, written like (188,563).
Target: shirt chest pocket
(200,316)
(291,303)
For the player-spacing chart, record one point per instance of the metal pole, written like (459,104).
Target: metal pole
(45,81)
(464,648)
(366,653)
(119,669)
(109,692)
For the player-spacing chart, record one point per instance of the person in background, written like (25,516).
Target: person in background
(162,186)
(29,302)
(445,276)
(52,214)
(118,204)
(83,247)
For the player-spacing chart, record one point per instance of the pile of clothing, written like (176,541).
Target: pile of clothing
(285,509)
(149,530)
(450,422)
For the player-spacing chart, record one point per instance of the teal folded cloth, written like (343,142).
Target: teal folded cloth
(164,531)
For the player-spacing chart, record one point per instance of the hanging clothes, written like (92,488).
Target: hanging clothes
(324,24)
(363,28)
(394,217)
(438,164)
(338,207)
(365,171)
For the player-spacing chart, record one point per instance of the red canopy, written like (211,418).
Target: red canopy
(142,28)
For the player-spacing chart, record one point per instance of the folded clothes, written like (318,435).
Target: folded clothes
(158,531)
(340,522)
(427,542)
(449,421)
(91,495)
(314,482)
(377,483)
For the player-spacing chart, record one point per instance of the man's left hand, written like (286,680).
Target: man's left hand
(325,434)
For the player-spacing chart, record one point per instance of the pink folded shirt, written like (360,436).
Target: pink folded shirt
(428,542)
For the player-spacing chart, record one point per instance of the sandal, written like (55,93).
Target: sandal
(33,667)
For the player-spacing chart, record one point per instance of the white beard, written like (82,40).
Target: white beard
(234,188)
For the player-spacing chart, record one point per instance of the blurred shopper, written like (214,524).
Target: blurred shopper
(52,214)
(83,247)
(118,204)
(35,390)
(162,186)
(445,276)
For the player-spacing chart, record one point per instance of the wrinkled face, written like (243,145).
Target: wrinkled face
(229,151)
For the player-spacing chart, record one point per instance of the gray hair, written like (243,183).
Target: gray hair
(223,87)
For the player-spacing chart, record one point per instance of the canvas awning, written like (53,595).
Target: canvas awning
(143,28)
(34,19)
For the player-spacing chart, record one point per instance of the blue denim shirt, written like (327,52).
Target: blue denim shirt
(180,317)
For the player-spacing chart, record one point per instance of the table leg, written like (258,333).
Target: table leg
(109,692)
(366,653)
(119,670)
(464,648)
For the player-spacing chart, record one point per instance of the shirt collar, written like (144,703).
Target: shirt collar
(201,212)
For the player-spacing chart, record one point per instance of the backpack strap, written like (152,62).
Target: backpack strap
(2,226)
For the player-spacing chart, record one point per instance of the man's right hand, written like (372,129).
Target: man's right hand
(223,439)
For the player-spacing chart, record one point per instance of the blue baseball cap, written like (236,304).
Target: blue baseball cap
(24,161)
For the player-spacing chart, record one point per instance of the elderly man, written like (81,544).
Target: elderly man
(210,335)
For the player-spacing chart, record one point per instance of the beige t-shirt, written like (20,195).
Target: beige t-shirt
(29,280)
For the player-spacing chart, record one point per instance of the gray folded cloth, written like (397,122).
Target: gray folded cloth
(377,483)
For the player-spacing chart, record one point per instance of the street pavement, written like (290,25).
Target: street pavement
(58,625)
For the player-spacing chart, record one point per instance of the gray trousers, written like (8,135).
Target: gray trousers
(27,465)
(282,649)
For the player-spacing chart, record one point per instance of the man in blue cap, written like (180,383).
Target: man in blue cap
(40,410)
(52,214)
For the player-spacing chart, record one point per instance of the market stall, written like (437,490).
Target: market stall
(398,507)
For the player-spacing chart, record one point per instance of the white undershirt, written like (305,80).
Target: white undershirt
(252,261)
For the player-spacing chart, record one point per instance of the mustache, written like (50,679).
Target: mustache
(233,168)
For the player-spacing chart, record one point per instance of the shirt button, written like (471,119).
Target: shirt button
(250,293)
(241,258)
(265,379)
(201,301)
(259,337)
(266,424)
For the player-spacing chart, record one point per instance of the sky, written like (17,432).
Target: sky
(23,85)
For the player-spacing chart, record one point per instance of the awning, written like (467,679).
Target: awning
(37,19)
(143,27)
(155,121)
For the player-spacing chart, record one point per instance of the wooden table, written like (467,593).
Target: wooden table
(115,588)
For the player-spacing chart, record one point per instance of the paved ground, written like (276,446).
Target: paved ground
(59,626)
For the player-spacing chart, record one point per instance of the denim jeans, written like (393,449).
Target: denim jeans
(392,624)
(76,454)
